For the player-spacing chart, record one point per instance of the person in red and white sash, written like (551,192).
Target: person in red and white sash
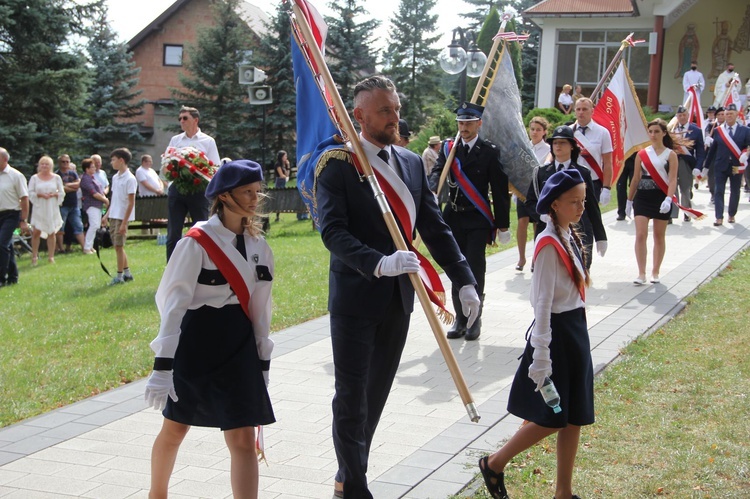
(204,375)
(559,345)
(727,157)
(596,149)
(650,196)
(689,157)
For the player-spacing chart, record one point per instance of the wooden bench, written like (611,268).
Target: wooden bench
(152,212)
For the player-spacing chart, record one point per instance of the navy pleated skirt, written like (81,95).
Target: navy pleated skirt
(217,372)
(572,373)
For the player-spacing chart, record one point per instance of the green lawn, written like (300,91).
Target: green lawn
(672,414)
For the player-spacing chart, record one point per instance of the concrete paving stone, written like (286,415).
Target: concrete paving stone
(443,443)
(57,484)
(203,490)
(390,451)
(81,472)
(101,418)
(118,449)
(195,473)
(303,461)
(127,392)
(464,431)
(33,494)
(111,492)
(34,467)
(126,479)
(52,419)
(69,456)
(459,469)
(130,406)
(86,407)
(130,425)
(433,489)
(9,457)
(31,444)
(404,475)
(7,476)
(18,432)
(131,464)
(426,459)
(67,431)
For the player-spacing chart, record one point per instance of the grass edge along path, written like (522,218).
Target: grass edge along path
(672,411)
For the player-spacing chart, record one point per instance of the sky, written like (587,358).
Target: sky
(129,17)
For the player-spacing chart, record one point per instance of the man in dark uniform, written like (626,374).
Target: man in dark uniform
(468,211)
(370,295)
(690,158)
(565,151)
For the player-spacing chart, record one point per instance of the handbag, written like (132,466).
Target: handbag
(102,239)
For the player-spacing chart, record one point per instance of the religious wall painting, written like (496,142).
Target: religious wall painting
(721,49)
(742,42)
(687,51)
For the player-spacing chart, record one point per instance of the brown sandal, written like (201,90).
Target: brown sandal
(493,481)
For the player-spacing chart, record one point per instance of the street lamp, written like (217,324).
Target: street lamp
(464,57)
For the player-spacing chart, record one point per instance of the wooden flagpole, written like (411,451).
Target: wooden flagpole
(347,127)
(611,67)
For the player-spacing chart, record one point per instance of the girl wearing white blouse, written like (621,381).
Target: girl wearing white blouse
(565,100)
(213,350)
(559,345)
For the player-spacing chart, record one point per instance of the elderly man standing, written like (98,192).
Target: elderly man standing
(431,153)
(690,159)
(596,149)
(181,204)
(14,212)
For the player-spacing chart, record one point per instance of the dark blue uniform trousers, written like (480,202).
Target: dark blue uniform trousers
(366,355)
(179,206)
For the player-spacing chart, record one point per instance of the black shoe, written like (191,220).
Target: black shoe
(686,218)
(493,481)
(475,330)
(457,330)
(620,218)
(127,278)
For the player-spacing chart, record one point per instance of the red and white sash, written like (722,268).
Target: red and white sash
(225,265)
(732,146)
(563,254)
(658,173)
(402,204)
(587,148)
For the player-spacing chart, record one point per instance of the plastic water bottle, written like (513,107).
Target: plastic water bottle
(550,395)
(161,239)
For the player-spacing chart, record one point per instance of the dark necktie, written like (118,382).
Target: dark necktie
(731,131)
(560,167)
(583,129)
(576,251)
(466,150)
(241,245)
(383,154)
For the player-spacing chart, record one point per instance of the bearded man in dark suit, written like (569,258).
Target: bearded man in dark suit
(370,295)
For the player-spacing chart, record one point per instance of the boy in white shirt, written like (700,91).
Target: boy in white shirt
(121,210)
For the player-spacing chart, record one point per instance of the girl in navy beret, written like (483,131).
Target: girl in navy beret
(558,347)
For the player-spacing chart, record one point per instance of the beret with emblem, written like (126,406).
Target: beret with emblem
(232,175)
(555,186)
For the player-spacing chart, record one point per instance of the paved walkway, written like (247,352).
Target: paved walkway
(425,445)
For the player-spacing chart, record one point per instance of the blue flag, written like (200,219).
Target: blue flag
(314,128)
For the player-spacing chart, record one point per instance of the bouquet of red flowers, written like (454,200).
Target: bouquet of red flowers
(188,168)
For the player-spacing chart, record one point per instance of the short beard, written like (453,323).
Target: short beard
(383,137)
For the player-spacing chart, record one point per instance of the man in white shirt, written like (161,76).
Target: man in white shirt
(14,213)
(181,204)
(596,149)
(693,78)
(149,183)
(723,82)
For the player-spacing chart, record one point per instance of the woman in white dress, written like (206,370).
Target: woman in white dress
(46,192)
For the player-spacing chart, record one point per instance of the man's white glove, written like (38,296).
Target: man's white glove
(708,141)
(666,205)
(629,208)
(601,247)
(503,237)
(538,370)
(265,377)
(696,172)
(159,386)
(605,196)
(470,303)
(401,262)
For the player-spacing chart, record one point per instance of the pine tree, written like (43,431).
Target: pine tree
(275,58)
(410,59)
(529,56)
(44,78)
(482,10)
(212,84)
(112,102)
(349,46)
